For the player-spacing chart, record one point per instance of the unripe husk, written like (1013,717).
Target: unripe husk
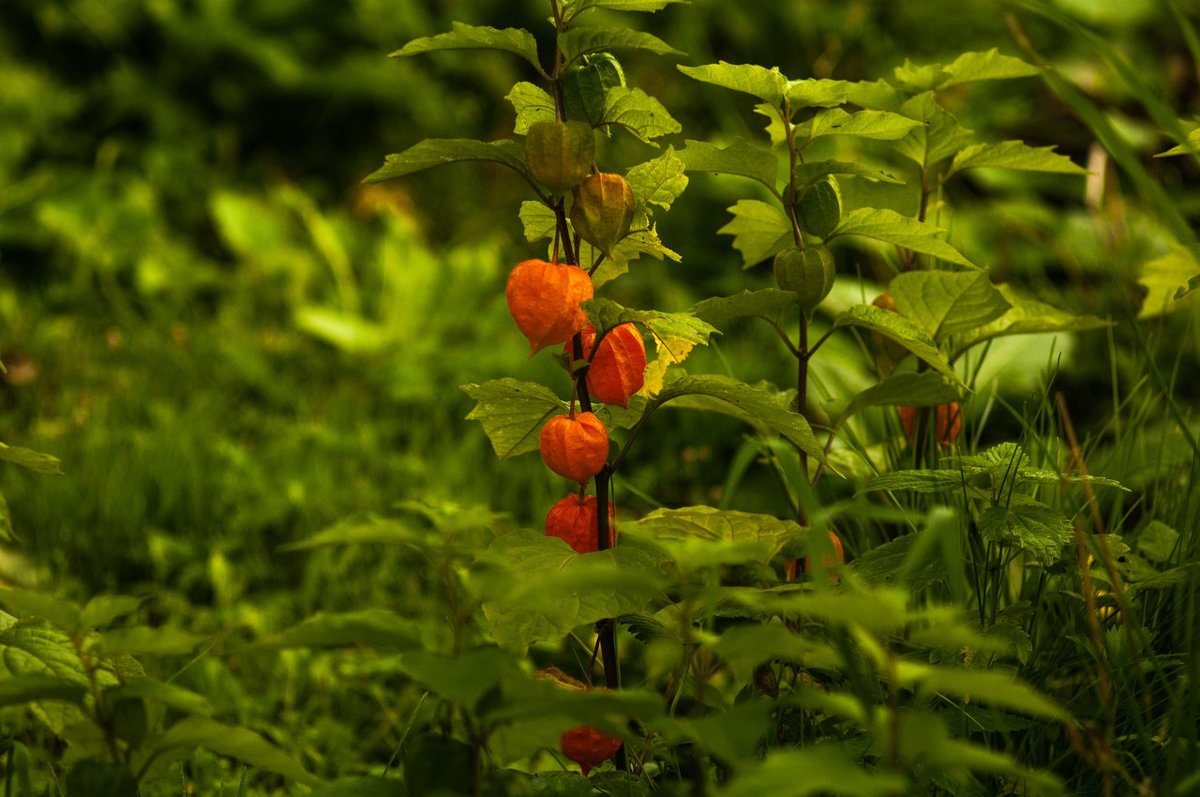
(603,210)
(544,300)
(809,273)
(820,207)
(560,154)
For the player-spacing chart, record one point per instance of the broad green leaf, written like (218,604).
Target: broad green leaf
(1001,461)
(881,610)
(940,137)
(658,181)
(814,170)
(1189,148)
(923,389)
(35,688)
(759,230)
(1026,316)
(440,151)
(585,40)
(744,647)
(879,125)
(890,564)
(989,65)
(753,405)
(640,114)
(767,533)
(768,85)
(740,157)
(734,735)
(139,640)
(585,588)
(233,741)
(769,303)
(175,697)
(1013,155)
(512,413)
(1044,476)
(39,649)
(532,105)
(537,219)
(464,678)
(815,770)
(920,481)
(27,604)
(631,247)
(879,95)
(102,610)
(26,458)
(375,628)
(993,687)
(890,227)
(1169,280)
(572,8)
(476,37)
(898,328)
(945,303)
(917,78)
(1157,541)
(1039,530)
(606,314)
(816,92)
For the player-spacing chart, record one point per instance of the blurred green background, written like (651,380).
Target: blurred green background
(231,342)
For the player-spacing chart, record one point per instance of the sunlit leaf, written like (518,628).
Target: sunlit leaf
(896,327)
(658,181)
(879,125)
(1014,155)
(891,227)
(759,230)
(739,157)
(476,37)
(944,303)
(637,112)
(768,303)
(766,84)
(582,41)
(532,105)
(441,151)
(512,413)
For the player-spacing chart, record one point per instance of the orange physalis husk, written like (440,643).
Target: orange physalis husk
(588,747)
(948,423)
(575,447)
(574,519)
(831,560)
(544,300)
(618,370)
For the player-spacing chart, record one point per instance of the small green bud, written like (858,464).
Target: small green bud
(820,207)
(809,273)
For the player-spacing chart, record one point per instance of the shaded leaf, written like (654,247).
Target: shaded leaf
(639,113)
(825,771)
(375,628)
(814,170)
(27,458)
(759,230)
(890,227)
(441,151)
(1027,316)
(235,742)
(142,641)
(896,327)
(993,687)
(168,694)
(512,413)
(769,303)
(739,157)
(1030,525)
(923,389)
(572,8)
(33,688)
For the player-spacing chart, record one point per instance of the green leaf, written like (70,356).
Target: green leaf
(532,105)
(170,695)
(639,113)
(814,170)
(1013,155)
(142,641)
(15,690)
(631,247)
(462,679)
(878,125)
(816,92)
(769,303)
(989,65)
(733,736)
(347,331)
(1169,280)
(26,458)
(1157,541)
(993,687)
(606,314)
(581,41)
(573,8)
(939,138)
(945,303)
(659,181)
(744,647)
(1039,530)
(1191,146)
(375,628)
(386,531)
(766,534)
(898,328)
(102,610)
(890,227)
(923,389)
(825,771)
(440,151)
(1027,316)
(753,405)
(538,220)
(759,230)
(740,157)
(476,37)
(766,84)
(889,564)
(920,481)
(512,413)
(27,604)
(235,742)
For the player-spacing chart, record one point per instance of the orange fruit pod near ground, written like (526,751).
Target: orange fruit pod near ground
(544,298)
(574,519)
(830,559)
(947,425)
(588,747)
(618,369)
(574,446)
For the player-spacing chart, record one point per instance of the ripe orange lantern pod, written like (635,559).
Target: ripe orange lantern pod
(947,423)
(588,747)
(830,560)
(544,300)
(574,446)
(574,520)
(618,368)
